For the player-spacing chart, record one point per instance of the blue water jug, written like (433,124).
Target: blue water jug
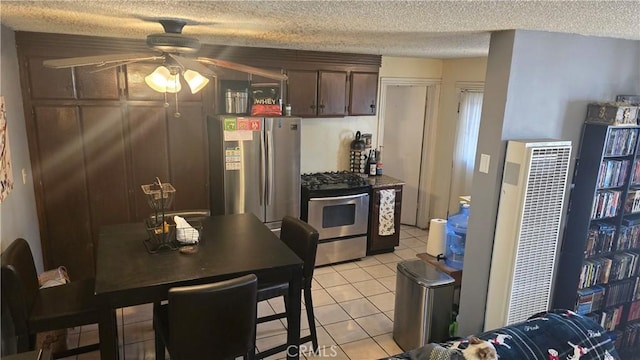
(457,236)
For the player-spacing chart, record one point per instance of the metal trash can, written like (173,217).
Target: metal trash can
(423,305)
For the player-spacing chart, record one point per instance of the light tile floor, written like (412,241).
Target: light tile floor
(354,304)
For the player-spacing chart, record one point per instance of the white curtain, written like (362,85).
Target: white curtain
(466,141)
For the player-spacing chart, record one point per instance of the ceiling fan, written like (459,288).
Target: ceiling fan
(170,47)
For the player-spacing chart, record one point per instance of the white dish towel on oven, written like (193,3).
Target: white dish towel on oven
(386,216)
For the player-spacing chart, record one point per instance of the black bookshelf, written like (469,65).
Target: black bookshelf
(599,267)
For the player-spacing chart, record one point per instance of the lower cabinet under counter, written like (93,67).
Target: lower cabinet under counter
(377,243)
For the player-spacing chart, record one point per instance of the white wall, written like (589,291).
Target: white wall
(18,217)
(403,67)
(455,72)
(325,142)
(538,86)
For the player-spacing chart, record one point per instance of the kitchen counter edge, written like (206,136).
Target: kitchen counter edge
(379,181)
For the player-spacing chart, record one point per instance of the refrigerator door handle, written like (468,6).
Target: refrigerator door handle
(270,168)
(262,170)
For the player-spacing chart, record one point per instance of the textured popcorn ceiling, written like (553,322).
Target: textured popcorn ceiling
(438,29)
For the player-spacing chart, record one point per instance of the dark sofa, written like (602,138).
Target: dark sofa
(553,335)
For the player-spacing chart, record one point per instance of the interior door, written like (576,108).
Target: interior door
(403,141)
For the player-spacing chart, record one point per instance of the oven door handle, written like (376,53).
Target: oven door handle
(339,197)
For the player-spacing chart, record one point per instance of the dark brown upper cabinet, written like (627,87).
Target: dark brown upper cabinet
(302,92)
(99,85)
(363,93)
(332,87)
(78,83)
(317,93)
(58,83)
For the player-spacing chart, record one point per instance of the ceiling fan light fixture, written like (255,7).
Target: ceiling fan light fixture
(162,80)
(195,81)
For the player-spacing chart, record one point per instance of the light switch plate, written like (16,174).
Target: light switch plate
(484,163)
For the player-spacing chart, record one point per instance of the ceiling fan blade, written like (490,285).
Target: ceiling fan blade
(98,60)
(244,68)
(100,68)
(191,64)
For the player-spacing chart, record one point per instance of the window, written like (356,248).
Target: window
(466,141)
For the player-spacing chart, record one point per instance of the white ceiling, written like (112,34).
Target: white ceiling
(437,29)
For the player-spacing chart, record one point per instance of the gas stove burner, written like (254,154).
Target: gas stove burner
(333,180)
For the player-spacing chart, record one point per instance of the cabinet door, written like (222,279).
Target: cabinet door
(48,83)
(302,92)
(333,90)
(188,157)
(363,94)
(382,243)
(97,85)
(76,83)
(66,239)
(149,152)
(106,165)
(397,216)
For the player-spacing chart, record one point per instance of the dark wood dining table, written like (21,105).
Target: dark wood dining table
(230,246)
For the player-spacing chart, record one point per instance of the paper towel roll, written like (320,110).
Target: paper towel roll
(437,237)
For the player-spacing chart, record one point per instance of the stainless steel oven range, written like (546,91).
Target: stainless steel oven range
(337,205)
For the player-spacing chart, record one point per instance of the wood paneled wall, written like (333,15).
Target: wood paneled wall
(95,137)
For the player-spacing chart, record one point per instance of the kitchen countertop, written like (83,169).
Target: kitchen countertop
(379,181)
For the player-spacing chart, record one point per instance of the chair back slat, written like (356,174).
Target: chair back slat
(302,238)
(214,320)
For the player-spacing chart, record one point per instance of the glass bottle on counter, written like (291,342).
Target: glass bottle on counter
(379,165)
(373,162)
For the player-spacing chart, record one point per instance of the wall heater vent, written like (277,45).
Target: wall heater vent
(527,230)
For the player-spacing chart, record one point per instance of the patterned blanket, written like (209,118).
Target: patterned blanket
(554,335)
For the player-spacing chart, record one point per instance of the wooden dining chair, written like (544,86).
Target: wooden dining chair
(36,310)
(211,321)
(302,238)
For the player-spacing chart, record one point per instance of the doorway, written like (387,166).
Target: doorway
(407,114)
(465,143)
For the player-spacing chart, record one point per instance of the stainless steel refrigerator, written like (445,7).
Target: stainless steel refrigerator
(255,167)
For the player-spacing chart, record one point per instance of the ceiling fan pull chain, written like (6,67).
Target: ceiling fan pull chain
(166,101)
(177,114)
